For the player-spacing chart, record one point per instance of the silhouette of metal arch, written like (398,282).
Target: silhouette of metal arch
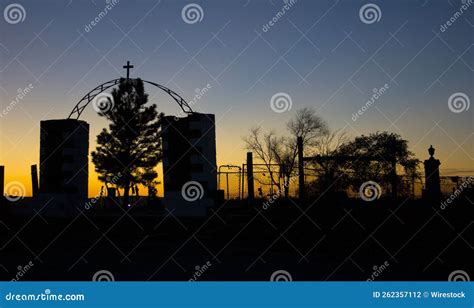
(82,104)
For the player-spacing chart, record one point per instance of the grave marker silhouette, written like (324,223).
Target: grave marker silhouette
(432,191)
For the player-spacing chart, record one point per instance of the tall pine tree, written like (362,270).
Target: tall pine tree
(132,145)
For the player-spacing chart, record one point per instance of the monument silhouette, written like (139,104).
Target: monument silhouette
(189,148)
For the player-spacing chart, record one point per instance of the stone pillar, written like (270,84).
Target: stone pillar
(432,189)
(250,188)
(189,164)
(34,180)
(64,157)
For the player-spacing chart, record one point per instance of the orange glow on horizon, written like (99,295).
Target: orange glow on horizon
(18,169)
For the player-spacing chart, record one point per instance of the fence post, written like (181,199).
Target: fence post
(251,193)
(2,185)
(243,181)
(300,168)
(34,180)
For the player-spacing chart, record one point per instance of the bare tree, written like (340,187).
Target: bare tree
(271,149)
(330,172)
(330,142)
(312,129)
(308,125)
(264,145)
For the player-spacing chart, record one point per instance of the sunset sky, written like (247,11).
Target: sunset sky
(321,53)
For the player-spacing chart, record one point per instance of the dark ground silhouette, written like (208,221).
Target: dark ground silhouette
(345,240)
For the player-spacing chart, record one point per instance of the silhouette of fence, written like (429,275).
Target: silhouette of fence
(233,181)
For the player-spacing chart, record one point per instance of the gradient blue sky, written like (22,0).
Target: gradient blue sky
(307,54)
